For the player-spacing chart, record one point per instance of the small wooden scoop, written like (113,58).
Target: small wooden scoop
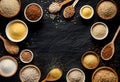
(109,49)
(53,75)
(10,47)
(69,11)
(56,6)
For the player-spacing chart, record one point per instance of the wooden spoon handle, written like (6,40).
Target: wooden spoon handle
(1,37)
(43,80)
(65,2)
(116,34)
(75,2)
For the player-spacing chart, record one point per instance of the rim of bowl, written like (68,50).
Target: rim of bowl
(6,30)
(31,54)
(93,54)
(40,9)
(73,69)
(104,67)
(27,66)
(14,60)
(19,1)
(103,1)
(107,31)
(88,7)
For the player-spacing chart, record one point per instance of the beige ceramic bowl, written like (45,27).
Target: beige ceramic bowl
(75,69)
(7,33)
(30,58)
(93,53)
(104,68)
(105,7)
(17,12)
(106,29)
(30,66)
(86,6)
(13,73)
(30,5)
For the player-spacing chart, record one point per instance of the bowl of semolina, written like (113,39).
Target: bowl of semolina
(16,30)
(90,60)
(86,12)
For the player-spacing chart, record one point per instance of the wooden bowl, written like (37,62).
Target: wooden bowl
(104,68)
(93,53)
(112,15)
(29,66)
(6,16)
(14,60)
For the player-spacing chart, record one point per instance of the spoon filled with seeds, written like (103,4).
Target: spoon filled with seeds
(53,75)
(56,6)
(109,49)
(69,11)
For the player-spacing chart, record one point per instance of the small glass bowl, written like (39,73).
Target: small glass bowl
(99,23)
(7,33)
(23,54)
(40,10)
(86,6)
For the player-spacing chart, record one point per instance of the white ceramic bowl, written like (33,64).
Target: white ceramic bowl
(73,69)
(97,38)
(9,37)
(28,51)
(88,6)
(30,5)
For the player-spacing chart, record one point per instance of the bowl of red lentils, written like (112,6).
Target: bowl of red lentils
(33,12)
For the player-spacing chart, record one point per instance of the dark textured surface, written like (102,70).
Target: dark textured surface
(61,42)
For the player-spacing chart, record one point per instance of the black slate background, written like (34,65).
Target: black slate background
(62,42)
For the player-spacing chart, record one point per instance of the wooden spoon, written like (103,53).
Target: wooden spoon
(56,6)
(69,11)
(53,75)
(10,47)
(109,49)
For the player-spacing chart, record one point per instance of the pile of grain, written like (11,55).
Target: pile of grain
(107,10)
(9,8)
(105,76)
(30,73)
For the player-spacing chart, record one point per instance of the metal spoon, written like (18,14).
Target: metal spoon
(10,47)
(53,75)
(111,46)
(56,6)
(69,11)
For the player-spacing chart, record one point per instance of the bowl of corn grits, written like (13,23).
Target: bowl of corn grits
(16,30)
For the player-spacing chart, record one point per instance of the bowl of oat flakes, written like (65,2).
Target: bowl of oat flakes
(105,74)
